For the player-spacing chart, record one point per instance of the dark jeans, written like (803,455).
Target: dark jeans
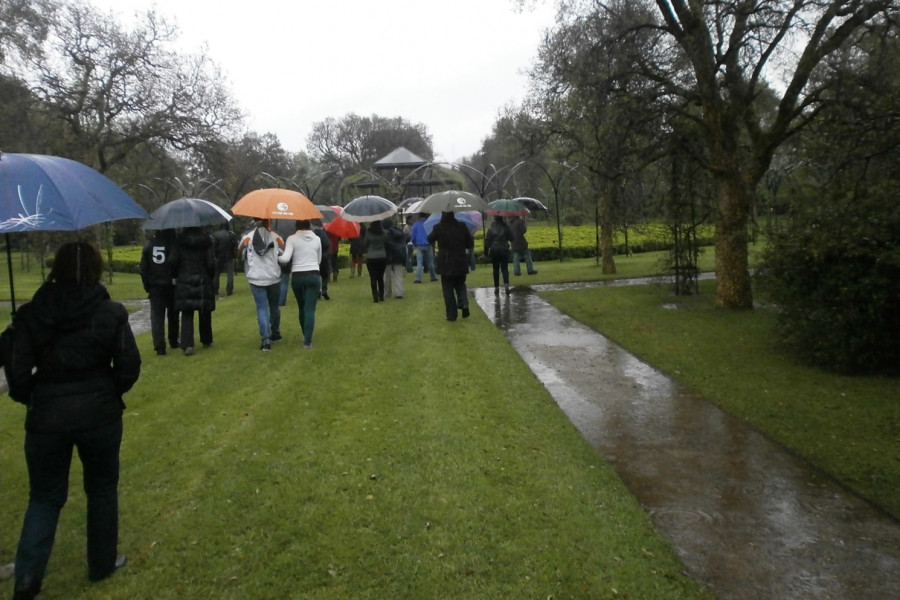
(455,294)
(500,264)
(187,328)
(162,313)
(49,456)
(376,267)
(306,288)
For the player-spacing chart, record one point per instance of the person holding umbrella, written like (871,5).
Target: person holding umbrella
(73,358)
(194,265)
(496,247)
(454,241)
(158,278)
(520,250)
(259,250)
(303,252)
(376,258)
(424,250)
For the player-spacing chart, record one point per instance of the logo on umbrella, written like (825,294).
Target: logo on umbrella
(461,201)
(282,207)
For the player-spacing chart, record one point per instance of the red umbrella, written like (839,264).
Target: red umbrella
(342,227)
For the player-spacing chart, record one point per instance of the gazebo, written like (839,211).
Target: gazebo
(410,172)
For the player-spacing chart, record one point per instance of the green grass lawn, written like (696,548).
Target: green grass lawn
(401,457)
(408,457)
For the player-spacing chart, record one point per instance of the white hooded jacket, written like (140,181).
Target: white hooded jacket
(260,250)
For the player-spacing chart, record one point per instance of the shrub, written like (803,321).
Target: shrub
(835,276)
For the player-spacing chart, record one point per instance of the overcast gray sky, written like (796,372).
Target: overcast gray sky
(451,65)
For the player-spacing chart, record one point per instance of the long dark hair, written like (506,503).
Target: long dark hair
(77,262)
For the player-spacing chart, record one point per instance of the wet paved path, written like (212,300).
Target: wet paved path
(746,517)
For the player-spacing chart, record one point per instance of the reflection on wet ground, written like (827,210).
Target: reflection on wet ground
(747,518)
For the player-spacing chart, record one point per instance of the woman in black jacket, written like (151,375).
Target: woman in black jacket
(496,247)
(194,266)
(71,359)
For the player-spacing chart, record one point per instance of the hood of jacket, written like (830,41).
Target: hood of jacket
(66,306)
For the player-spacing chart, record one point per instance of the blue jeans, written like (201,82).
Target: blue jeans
(268,312)
(519,256)
(49,456)
(425,257)
(284,286)
(306,288)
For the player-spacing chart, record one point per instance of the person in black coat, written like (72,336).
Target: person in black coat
(194,264)
(225,243)
(454,241)
(496,247)
(158,279)
(72,358)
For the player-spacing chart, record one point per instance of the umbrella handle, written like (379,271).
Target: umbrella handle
(12,287)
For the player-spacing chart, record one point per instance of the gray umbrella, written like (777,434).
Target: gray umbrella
(366,209)
(452,201)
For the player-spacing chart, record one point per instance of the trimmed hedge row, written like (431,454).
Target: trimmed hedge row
(579,241)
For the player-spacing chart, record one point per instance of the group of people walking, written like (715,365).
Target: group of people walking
(70,354)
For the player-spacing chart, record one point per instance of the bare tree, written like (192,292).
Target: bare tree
(356,142)
(115,89)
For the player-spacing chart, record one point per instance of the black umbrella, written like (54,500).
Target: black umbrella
(186,212)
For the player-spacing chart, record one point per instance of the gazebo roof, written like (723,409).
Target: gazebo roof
(400,157)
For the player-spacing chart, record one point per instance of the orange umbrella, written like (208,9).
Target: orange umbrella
(276,203)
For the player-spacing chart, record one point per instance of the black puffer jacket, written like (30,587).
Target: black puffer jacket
(194,264)
(156,260)
(453,239)
(72,358)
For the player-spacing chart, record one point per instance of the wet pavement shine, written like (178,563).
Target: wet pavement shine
(748,519)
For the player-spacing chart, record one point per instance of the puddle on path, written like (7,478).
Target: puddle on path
(746,517)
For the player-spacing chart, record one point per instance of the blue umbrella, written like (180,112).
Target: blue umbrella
(50,193)
(472,219)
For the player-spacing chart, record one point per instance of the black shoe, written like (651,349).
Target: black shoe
(532,272)
(465,312)
(121,561)
(326,296)
(265,346)
(161,352)
(276,337)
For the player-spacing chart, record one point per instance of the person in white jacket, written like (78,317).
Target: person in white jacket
(260,249)
(303,251)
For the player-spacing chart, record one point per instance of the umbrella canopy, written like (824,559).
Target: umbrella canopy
(343,228)
(186,212)
(50,193)
(369,208)
(329,213)
(507,208)
(472,219)
(276,203)
(531,203)
(413,208)
(409,205)
(452,200)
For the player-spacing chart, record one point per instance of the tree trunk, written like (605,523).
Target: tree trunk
(733,288)
(606,236)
